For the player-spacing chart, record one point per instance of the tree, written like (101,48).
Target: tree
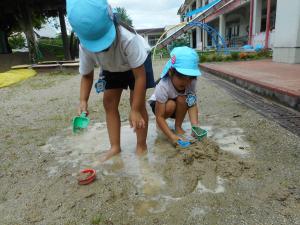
(183,40)
(123,16)
(24,15)
(12,21)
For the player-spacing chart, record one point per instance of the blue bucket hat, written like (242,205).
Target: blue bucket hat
(92,21)
(185,60)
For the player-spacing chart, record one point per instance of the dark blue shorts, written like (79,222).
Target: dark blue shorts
(126,79)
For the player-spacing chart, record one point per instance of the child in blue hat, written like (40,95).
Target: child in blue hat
(175,94)
(125,61)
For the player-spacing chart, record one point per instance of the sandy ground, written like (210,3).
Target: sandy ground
(246,172)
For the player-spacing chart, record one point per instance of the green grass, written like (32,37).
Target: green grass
(96,220)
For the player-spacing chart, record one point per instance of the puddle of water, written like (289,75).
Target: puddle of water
(83,150)
(218,189)
(198,212)
(229,139)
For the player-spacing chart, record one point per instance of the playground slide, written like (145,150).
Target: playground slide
(204,12)
(202,9)
(13,76)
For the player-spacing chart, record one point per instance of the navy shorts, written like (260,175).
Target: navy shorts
(126,79)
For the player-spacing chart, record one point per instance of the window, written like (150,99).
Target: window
(152,39)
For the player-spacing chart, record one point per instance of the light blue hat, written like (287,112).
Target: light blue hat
(185,60)
(92,21)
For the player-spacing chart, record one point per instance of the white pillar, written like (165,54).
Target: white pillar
(198,3)
(287,32)
(205,39)
(257,17)
(222,24)
(204,32)
(198,30)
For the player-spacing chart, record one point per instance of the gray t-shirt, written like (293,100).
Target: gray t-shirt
(165,90)
(128,51)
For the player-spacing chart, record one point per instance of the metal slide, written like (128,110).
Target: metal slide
(204,11)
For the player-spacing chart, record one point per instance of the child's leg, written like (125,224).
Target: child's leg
(141,134)
(170,108)
(169,111)
(181,109)
(111,101)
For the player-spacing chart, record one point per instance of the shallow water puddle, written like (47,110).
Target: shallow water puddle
(83,150)
(229,139)
(201,188)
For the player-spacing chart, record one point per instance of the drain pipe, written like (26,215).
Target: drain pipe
(251,22)
(268,23)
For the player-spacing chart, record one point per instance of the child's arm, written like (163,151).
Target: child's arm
(160,109)
(138,101)
(85,89)
(193,115)
(193,111)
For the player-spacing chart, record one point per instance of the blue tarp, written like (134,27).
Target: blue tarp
(247,47)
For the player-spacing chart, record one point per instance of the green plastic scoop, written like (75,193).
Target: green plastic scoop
(80,122)
(199,133)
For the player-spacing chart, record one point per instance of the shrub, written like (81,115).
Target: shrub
(203,58)
(208,59)
(265,53)
(234,55)
(214,57)
(252,55)
(16,41)
(227,58)
(219,58)
(243,55)
(53,47)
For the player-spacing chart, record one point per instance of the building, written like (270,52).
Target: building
(151,35)
(254,22)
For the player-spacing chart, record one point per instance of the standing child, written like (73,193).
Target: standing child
(125,60)
(175,94)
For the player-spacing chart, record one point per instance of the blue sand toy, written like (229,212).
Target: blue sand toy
(80,122)
(183,144)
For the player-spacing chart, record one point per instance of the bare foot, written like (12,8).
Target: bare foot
(179,130)
(141,149)
(109,154)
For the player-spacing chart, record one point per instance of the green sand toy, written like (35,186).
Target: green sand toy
(199,133)
(80,122)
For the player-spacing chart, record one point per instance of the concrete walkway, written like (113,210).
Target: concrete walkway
(278,81)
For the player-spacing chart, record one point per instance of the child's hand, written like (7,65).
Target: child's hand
(136,120)
(175,139)
(182,143)
(83,108)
